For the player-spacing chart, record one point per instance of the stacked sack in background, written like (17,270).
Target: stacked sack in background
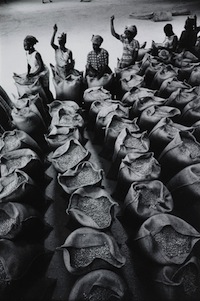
(22,204)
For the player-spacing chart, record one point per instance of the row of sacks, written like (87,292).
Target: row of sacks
(164,235)
(91,251)
(22,208)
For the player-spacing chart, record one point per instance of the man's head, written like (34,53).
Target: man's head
(130,31)
(96,41)
(62,38)
(29,42)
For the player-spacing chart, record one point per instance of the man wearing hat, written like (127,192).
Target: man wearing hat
(130,45)
(97,59)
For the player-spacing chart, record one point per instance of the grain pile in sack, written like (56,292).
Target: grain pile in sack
(17,187)
(58,135)
(17,139)
(19,220)
(136,167)
(16,258)
(181,97)
(99,285)
(165,56)
(145,199)
(22,159)
(171,85)
(105,81)
(31,86)
(184,187)
(96,106)
(87,249)
(135,94)
(92,207)
(151,116)
(176,282)
(164,73)
(70,88)
(144,103)
(68,155)
(105,115)
(182,151)
(127,142)
(191,112)
(151,71)
(95,94)
(84,174)
(113,129)
(166,239)
(163,133)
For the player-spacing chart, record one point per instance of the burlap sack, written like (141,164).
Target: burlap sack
(127,83)
(113,129)
(145,199)
(136,94)
(136,167)
(79,245)
(105,115)
(166,239)
(17,187)
(151,71)
(171,85)
(100,283)
(22,159)
(164,73)
(92,207)
(105,81)
(95,93)
(127,142)
(84,174)
(58,136)
(182,151)
(68,155)
(29,120)
(70,88)
(143,103)
(70,106)
(191,112)
(19,220)
(178,282)
(152,115)
(184,187)
(194,79)
(181,97)
(62,118)
(17,139)
(163,133)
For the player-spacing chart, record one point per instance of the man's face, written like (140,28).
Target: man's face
(95,46)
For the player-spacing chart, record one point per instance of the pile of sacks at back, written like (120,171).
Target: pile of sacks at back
(22,204)
(151,136)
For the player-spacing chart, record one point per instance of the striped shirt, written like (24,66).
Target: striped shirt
(128,51)
(97,60)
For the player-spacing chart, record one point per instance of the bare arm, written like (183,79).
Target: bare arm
(55,28)
(113,32)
